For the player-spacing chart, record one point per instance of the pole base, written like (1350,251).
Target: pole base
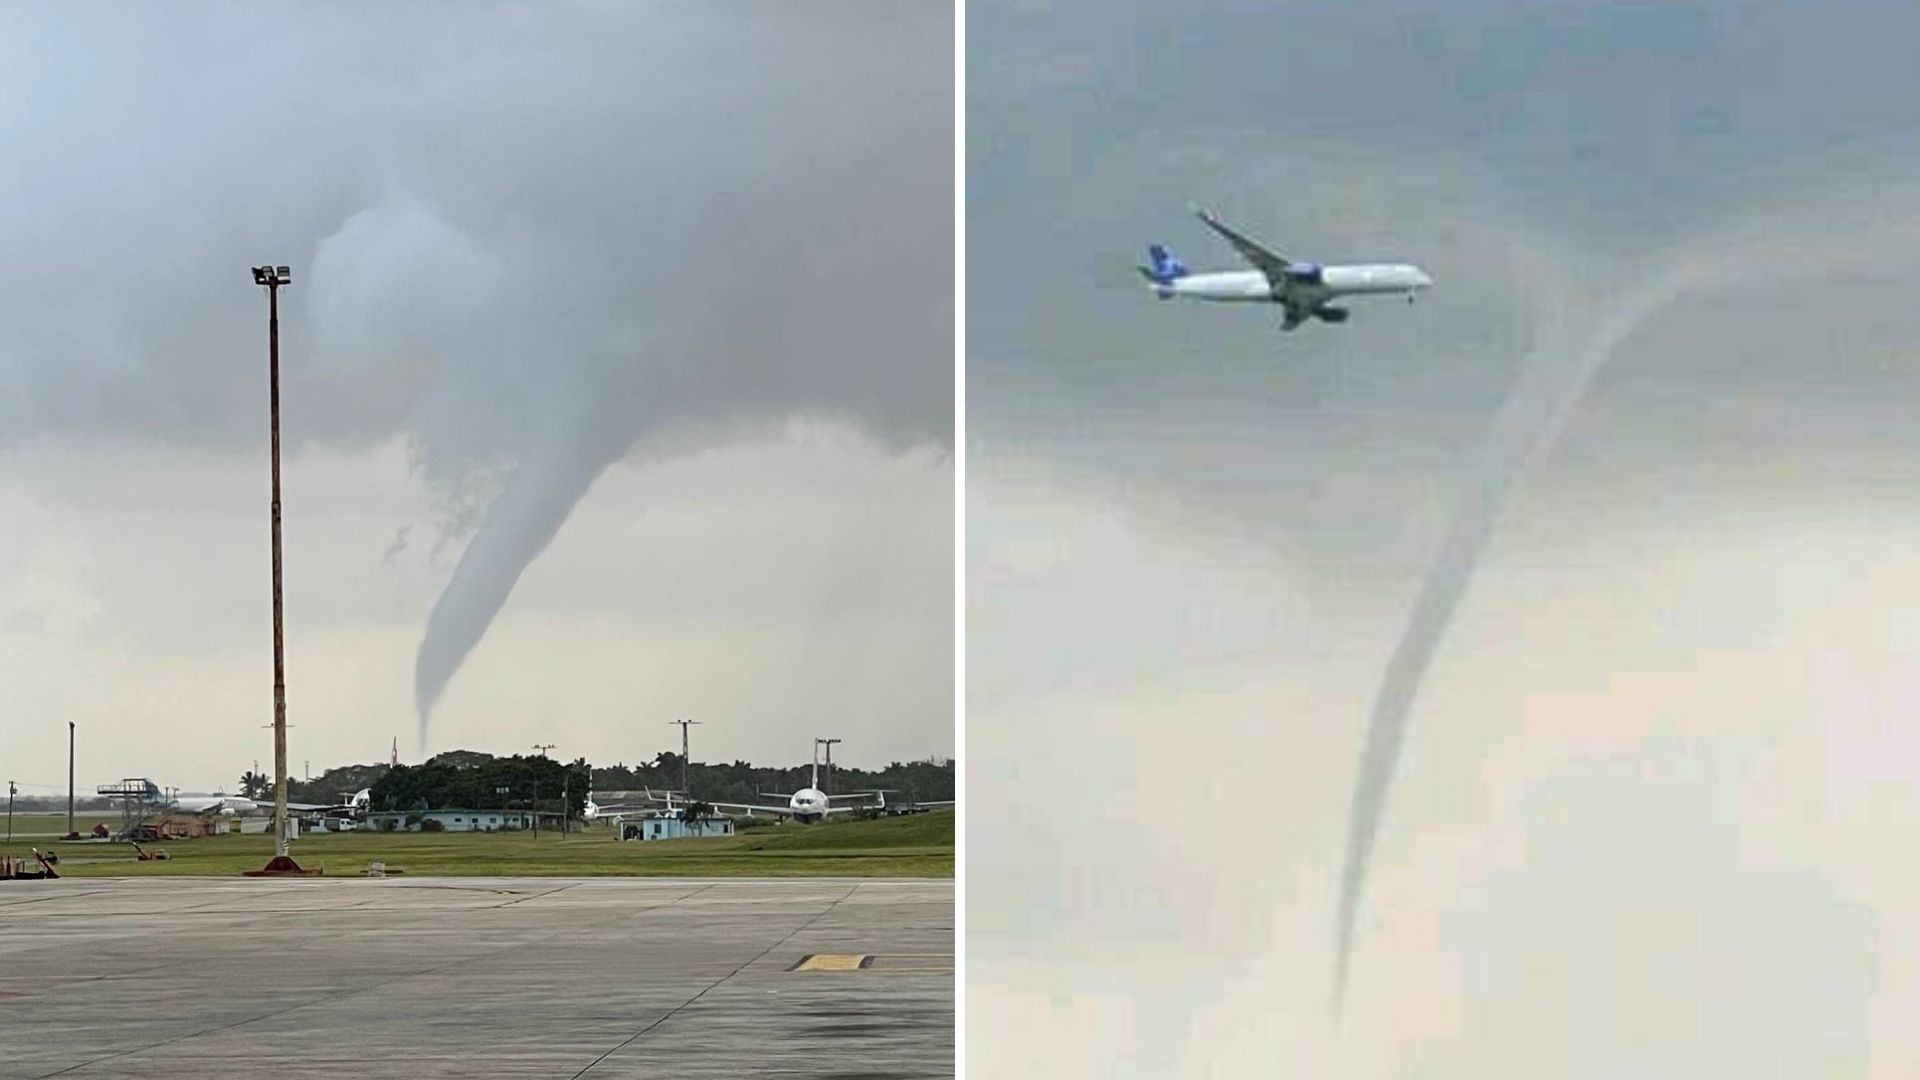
(281,866)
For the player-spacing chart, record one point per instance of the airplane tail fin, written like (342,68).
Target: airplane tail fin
(1164,266)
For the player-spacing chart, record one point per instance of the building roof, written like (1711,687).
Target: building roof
(460,810)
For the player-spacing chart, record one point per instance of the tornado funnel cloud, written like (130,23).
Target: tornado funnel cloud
(1568,352)
(1863,230)
(518,526)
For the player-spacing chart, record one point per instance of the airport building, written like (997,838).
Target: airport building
(674,826)
(459,820)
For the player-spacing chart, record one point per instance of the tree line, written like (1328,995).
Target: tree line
(743,782)
(469,779)
(483,782)
(739,782)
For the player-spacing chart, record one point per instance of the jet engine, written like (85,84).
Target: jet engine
(1332,314)
(1304,273)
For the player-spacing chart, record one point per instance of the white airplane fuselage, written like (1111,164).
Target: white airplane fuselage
(223,805)
(1333,282)
(594,811)
(808,805)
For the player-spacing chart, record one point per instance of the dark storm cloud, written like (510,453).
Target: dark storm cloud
(529,238)
(1403,131)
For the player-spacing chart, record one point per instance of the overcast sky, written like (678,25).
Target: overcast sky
(1663,742)
(617,381)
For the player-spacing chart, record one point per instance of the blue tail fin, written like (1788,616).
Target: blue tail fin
(1166,266)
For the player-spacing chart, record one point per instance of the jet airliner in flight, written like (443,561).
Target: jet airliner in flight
(1304,290)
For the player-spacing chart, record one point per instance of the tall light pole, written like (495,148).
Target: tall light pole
(70,832)
(273,277)
(828,743)
(684,788)
(10,791)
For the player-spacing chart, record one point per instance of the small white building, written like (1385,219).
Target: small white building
(673,825)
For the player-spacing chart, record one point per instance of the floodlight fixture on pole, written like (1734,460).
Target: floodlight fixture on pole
(685,788)
(828,743)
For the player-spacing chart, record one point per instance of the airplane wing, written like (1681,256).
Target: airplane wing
(782,811)
(1263,259)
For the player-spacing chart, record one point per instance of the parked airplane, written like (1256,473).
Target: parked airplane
(595,811)
(1305,290)
(354,807)
(223,805)
(806,806)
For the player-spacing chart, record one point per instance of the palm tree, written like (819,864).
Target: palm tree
(254,785)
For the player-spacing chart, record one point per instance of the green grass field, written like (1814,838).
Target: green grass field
(34,828)
(918,845)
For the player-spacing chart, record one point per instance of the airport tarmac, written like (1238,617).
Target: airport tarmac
(494,977)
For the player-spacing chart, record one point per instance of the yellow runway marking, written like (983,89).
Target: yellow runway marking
(831,962)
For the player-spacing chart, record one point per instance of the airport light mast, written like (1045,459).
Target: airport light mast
(685,786)
(273,278)
(828,743)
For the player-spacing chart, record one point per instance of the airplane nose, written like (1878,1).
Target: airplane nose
(1425,279)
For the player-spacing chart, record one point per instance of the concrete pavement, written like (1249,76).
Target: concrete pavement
(519,977)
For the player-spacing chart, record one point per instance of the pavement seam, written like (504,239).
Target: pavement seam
(676,1010)
(536,896)
(11,904)
(451,888)
(122,973)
